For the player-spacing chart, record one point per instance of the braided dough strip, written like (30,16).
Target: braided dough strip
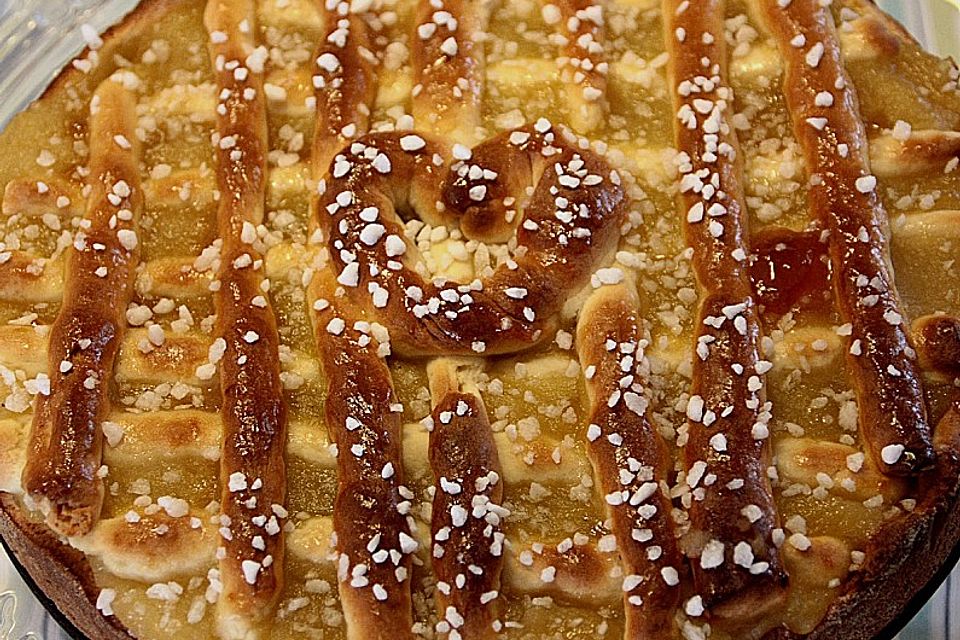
(252,468)
(467,552)
(345,81)
(66,442)
(373,301)
(738,571)
(583,65)
(827,123)
(630,461)
(448,64)
(373,537)
(570,224)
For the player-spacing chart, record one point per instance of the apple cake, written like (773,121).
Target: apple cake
(462,319)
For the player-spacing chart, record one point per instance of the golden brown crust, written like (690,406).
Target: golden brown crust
(367,182)
(63,463)
(826,121)
(506,312)
(252,466)
(924,153)
(582,575)
(631,462)
(468,544)
(882,27)
(583,64)
(27,278)
(448,65)
(736,566)
(21,197)
(369,508)
(345,81)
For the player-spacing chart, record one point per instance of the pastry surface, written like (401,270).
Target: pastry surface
(520,319)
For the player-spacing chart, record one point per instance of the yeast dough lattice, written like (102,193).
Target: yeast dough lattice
(443,319)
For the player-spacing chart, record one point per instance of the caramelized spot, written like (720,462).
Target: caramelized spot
(190,427)
(790,269)
(938,343)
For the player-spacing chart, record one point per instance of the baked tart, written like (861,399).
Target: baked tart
(462,320)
